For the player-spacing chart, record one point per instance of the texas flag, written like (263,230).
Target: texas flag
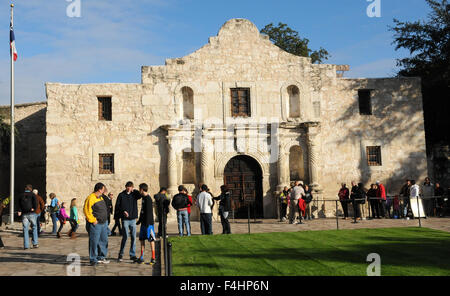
(12,41)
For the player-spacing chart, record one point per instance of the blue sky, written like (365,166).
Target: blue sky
(113,38)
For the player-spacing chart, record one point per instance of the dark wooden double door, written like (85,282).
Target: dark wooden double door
(243,177)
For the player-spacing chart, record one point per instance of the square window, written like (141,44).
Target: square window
(104,109)
(373,155)
(106,164)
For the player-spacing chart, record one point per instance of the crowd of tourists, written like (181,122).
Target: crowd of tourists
(98,208)
(298,197)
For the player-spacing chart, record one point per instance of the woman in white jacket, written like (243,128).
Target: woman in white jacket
(415,200)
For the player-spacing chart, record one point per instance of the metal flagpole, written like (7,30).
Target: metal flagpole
(11,202)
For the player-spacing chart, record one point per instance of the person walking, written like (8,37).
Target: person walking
(96,214)
(147,223)
(63,217)
(439,193)
(204,203)
(109,204)
(296,194)
(415,200)
(54,209)
(180,203)
(284,197)
(189,206)
(224,208)
(162,209)
(127,206)
(308,198)
(73,219)
(428,193)
(354,196)
(373,201)
(381,195)
(40,208)
(344,195)
(404,195)
(3,207)
(26,209)
(117,222)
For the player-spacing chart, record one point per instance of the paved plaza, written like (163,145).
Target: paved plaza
(50,259)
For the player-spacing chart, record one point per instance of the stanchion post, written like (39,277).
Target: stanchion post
(418,211)
(248,217)
(169,251)
(337,218)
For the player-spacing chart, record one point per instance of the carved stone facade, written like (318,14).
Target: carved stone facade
(294,106)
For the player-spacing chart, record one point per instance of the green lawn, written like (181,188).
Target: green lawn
(403,251)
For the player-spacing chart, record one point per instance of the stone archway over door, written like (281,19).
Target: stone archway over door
(243,176)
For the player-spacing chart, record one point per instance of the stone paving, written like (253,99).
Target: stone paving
(50,259)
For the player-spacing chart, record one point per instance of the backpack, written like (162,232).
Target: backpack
(179,201)
(26,203)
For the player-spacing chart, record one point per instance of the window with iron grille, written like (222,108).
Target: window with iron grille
(240,102)
(365,104)
(104,109)
(106,164)
(373,155)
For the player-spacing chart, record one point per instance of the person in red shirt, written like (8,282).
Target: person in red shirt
(381,193)
(189,206)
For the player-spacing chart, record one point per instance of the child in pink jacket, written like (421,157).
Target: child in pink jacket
(62,217)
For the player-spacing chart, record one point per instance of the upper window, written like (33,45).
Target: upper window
(104,109)
(294,101)
(188,102)
(240,102)
(365,105)
(373,155)
(106,164)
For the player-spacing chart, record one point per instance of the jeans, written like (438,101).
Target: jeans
(117,224)
(225,223)
(98,241)
(61,224)
(127,227)
(53,216)
(206,223)
(293,210)
(344,204)
(38,221)
(160,225)
(74,225)
(283,211)
(182,218)
(28,219)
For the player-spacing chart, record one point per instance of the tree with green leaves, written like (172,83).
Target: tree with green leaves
(5,136)
(290,41)
(428,42)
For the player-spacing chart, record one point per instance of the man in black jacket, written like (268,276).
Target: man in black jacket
(224,208)
(180,203)
(108,200)
(162,209)
(26,208)
(127,208)
(147,231)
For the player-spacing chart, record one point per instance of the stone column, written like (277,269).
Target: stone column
(206,163)
(172,171)
(313,156)
(283,169)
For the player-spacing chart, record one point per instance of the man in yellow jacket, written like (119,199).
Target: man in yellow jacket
(96,213)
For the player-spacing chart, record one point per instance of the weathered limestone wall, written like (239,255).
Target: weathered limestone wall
(238,57)
(29,148)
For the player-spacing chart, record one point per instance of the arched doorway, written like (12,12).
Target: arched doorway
(243,176)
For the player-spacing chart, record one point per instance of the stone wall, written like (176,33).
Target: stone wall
(147,117)
(30,153)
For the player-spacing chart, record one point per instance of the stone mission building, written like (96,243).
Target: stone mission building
(239,111)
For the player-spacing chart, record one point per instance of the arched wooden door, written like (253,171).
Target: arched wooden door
(243,176)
